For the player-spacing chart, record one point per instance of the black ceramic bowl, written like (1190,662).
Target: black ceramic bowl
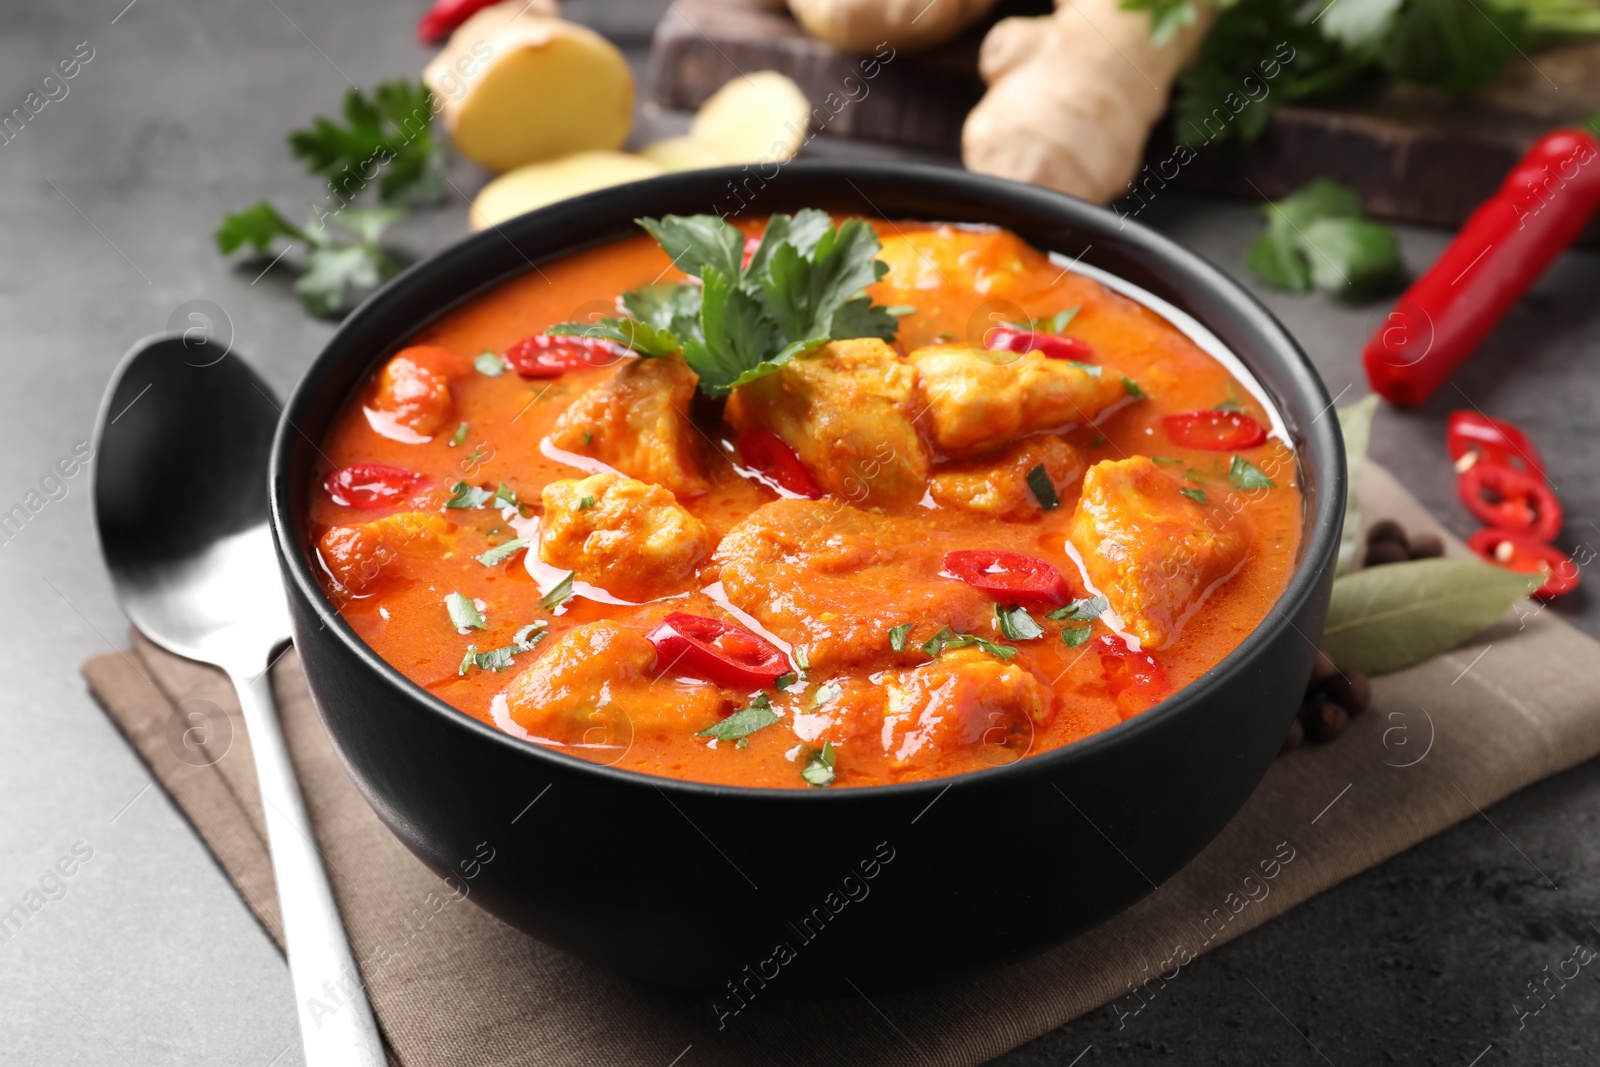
(807,890)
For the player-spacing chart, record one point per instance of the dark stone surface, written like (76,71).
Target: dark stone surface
(107,203)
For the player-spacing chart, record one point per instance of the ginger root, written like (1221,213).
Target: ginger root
(684,153)
(908,25)
(516,88)
(1073,95)
(540,184)
(755,118)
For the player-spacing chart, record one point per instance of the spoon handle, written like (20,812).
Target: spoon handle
(336,1024)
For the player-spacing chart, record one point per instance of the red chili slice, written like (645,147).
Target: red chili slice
(1052,345)
(1134,678)
(1493,440)
(767,453)
(547,355)
(372,485)
(750,246)
(1510,499)
(1009,576)
(440,20)
(1217,431)
(720,652)
(1506,548)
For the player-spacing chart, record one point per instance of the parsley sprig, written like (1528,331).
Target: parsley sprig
(335,271)
(390,132)
(1316,238)
(735,322)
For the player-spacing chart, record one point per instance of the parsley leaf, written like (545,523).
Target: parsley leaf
(586,503)
(464,614)
(502,552)
(1085,610)
(802,659)
(743,722)
(1133,389)
(819,767)
(1316,239)
(1245,475)
(389,130)
(459,436)
(695,242)
(498,659)
(1044,491)
(1093,370)
(489,365)
(946,639)
(1198,495)
(559,594)
(641,337)
(504,497)
(1017,624)
(785,680)
(1167,17)
(897,636)
(334,271)
(824,694)
(1073,636)
(466,495)
(1055,324)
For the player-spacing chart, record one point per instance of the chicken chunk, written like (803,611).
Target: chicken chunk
(1152,551)
(845,410)
(364,556)
(986,261)
(999,486)
(595,685)
(413,395)
(973,401)
(637,421)
(964,699)
(629,538)
(834,580)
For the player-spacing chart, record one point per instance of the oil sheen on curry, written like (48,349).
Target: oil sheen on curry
(808,503)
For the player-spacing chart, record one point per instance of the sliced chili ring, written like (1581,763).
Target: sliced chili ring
(1484,438)
(1215,431)
(1510,499)
(1134,678)
(371,485)
(1009,577)
(1023,341)
(1513,551)
(720,652)
(546,355)
(771,457)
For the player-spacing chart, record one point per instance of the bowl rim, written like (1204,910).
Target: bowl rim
(1320,435)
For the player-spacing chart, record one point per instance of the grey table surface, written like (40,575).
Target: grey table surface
(146,955)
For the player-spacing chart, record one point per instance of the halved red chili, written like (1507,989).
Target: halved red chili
(770,456)
(372,485)
(1512,550)
(546,355)
(717,651)
(1052,345)
(1218,431)
(1510,499)
(1470,432)
(1134,678)
(1009,577)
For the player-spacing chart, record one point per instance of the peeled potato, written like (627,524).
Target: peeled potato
(539,184)
(866,25)
(538,88)
(756,118)
(684,153)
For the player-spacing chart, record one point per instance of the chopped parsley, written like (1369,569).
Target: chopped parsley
(1230,405)
(459,436)
(802,659)
(505,497)
(1133,389)
(785,680)
(502,552)
(1099,439)
(334,271)
(587,437)
(467,495)
(498,659)
(489,365)
(1074,636)
(1093,370)
(586,503)
(1195,494)
(1085,610)
(946,639)
(744,722)
(1054,324)
(897,636)
(824,694)
(559,595)
(1017,624)
(388,133)
(819,768)
(1169,460)
(1246,475)
(1043,490)
(464,614)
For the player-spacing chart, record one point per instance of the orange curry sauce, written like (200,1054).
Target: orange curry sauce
(838,572)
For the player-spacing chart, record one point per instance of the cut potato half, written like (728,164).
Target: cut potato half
(539,184)
(756,118)
(515,90)
(684,153)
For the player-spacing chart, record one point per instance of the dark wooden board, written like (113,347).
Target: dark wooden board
(1412,154)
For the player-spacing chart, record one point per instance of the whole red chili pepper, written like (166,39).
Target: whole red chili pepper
(1501,250)
(440,20)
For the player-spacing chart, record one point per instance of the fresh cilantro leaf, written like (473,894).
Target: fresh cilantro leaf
(1044,491)
(1093,370)
(824,694)
(502,552)
(1016,623)
(743,722)
(1245,475)
(1133,389)
(459,436)
(559,594)
(695,242)
(897,636)
(489,365)
(1073,636)
(389,131)
(467,495)
(1085,610)
(640,337)
(819,767)
(1198,495)
(464,614)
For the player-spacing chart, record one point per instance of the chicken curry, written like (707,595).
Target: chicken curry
(808,502)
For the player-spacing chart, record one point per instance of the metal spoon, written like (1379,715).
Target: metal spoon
(180,503)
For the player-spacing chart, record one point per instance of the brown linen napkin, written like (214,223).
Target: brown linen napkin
(452,985)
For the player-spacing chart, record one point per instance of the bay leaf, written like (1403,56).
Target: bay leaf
(1384,618)
(1355,424)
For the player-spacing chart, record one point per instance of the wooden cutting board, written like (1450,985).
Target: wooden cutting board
(1411,153)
